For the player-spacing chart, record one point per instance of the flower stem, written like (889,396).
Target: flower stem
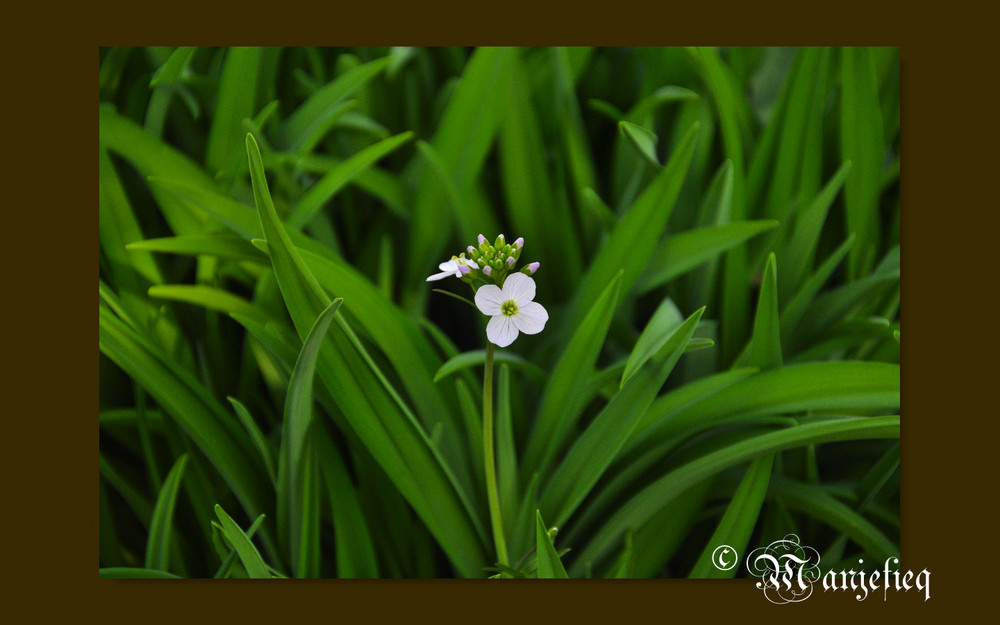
(488,452)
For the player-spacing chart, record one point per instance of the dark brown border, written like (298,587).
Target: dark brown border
(50,494)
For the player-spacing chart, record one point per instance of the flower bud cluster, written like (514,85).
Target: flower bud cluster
(497,260)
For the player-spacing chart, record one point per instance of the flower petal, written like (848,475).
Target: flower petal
(448,265)
(530,317)
(501,331)
(439,276)
(519,288)
(489,298)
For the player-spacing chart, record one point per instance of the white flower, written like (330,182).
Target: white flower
(455,267)
(511,309)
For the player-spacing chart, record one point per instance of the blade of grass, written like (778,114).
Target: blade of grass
(339,175)
(631,244)
(560,403)
(737,524)
(862,143)
(680,253)
(305,127)
(393,437)
(643,505)
(245,549)
(765,343)
(161,523)
(295,501)
(476,358)
(234,101)
(549,564)
(596,448)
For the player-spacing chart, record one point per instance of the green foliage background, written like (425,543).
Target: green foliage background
(281,393)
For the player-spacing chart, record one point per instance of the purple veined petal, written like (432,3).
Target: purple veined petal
(530,318)
(501,330)
(489,298)
(519,288)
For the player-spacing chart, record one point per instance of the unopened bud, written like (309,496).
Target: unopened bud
(510,262)
(488,270)
(464,269)
(519,243)
(482,239)
(533,267)
(499,242)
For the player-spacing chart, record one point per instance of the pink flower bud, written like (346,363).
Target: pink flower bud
(488,270)
(533,267)
(510,262)
(470,249)
(482,239)
(519,243)
(464,269)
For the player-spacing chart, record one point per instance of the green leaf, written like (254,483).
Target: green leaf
(818,386)
(536,210)
(765,344)
(462,140)
(808,226)
(245,549)
(152,157)
(477,358)
(506,454)
(815,501)
(227,564)
(661,326)
(260,441)
(631,244)
(220,245)
(124,572)
(339,175)
(161,525)
(625,566)
(794,312)
(598,445)
(862,143)
(165,83)
(209,297)
(549,564)
(683,252)
(643,139)
(118,228)
(235,100)
(737,524)
(654,496)
(731,112)
(305,127)
(368,401)
(298,504)
(355,551)
(199,415)
(561,402)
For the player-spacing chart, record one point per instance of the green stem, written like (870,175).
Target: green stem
(491,467)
